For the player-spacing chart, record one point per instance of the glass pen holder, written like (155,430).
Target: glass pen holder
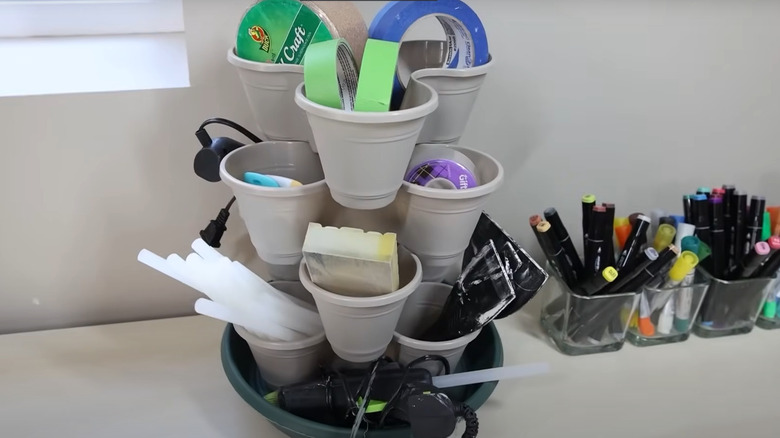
(769,317)
(667,314)
(731,307)
(579,324)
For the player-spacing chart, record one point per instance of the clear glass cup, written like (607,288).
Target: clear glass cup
(580,324)
(769,318)
(731,307)
(672,312)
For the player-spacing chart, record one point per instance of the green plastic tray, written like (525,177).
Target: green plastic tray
(484,352)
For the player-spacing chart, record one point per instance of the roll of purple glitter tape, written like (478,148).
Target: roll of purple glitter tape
(436,173)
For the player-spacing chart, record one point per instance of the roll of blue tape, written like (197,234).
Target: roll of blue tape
(466,39)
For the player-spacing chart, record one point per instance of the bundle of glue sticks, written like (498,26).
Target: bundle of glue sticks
(618,259)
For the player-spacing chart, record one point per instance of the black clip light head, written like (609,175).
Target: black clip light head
(213,151)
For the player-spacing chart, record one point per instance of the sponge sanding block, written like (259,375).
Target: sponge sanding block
(350,261)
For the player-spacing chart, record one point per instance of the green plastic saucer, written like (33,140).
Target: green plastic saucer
(484,352)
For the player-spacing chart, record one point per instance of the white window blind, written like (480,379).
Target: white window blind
(82,46)
(46,18)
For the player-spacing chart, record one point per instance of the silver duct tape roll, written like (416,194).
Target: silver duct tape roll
(343,20)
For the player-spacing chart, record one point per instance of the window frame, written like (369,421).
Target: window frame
(54,18)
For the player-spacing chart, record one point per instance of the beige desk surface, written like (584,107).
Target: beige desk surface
(164,379)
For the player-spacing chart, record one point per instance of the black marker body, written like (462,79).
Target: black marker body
(560,232)
(633,245)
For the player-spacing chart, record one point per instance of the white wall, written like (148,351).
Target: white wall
(587,96)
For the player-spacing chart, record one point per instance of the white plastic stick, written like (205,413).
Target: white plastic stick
(261,285)
(204,250)
(270,331)
(159,264)
(195,279)
(491,375)
(281,312)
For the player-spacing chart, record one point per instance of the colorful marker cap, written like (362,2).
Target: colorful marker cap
(543,226)
(535,220)
(774,242)
(646,327)
(703,190)
(766,228)
(589,199)
(690,243)
(610,274)
(762,248)
(621,221)
(716,200)
(683,266)
(699,197)
(664,236)
(704,251)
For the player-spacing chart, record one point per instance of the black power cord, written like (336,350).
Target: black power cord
(213,232)
(470,417)
(206,165)
(205,138)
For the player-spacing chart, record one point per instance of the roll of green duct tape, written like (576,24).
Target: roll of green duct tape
(377,76)
(330,74)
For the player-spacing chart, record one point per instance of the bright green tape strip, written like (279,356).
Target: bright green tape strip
(377,73)
(330,74)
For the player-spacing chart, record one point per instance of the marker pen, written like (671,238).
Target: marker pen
(668,220)
(701,218)
(704,251)
(683,230)
(684,265)
(772,263)
(664,237)
(610,242)
(646,327)
(688,208)
(770,306)
(752,261)
(774,215)
(728,221)
(555,253)
(599,281)
(565,241)
(766,226)
(754,220)
(596,254)
(621,234)
(666,317)
(645,275)
(690,243)
(684,300)
(655,220)
(632,220)
(533,221)
(739,214)
(717,264)
(588,202)
(633,245)
(649,255)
